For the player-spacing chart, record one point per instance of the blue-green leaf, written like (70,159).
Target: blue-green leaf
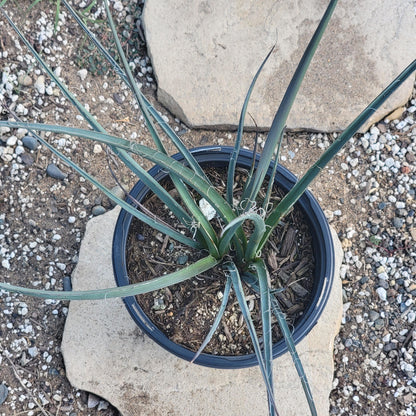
(239,291)
(205,189)
(204,225)
(152,111)
(299,188)
(282,113)
(292,349)
(229,231)
(263,277)
(157,283)
(217,319)
(237,145)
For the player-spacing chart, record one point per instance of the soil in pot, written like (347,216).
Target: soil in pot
(185,312)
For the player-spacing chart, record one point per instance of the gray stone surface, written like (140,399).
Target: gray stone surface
(205,54)
(106,354)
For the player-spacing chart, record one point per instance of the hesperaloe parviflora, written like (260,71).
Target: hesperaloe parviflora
(238,251)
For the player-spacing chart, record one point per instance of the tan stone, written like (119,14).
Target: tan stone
(204,55)
(396,114)
(105,353)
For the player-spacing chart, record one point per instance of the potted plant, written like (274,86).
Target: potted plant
(319,278)
(241,231)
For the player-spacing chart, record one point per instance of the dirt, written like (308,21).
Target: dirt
(186,312)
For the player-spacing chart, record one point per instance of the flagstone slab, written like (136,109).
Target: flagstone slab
(107,354)
(204,55)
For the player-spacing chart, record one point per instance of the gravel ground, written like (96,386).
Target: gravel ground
(367,192)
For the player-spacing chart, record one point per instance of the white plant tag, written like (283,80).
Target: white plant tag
(207,209)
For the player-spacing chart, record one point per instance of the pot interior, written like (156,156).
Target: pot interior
(321,247)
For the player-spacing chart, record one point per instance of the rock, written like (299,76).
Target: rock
(103,405)
(5,263)
(118,192)
(98,210)
(397,113)
(82,73)
(379,323)
(346,243)
(24,80)
(390,347)
(22,309)
(207,209)
(67,284)
(54,172)
(182,259)
(382,293)
(4,392)
(26,159)
(374,315)
(40,84)
(93,401)
(140,237)
(11,141)
(410,157)
(30,142)
(106,354)
(398,222)
(97,149)
(33,351)
(118,5)
(214,52)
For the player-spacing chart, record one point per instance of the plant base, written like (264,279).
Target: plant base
(105,353)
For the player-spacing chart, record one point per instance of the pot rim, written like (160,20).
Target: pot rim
(323,252)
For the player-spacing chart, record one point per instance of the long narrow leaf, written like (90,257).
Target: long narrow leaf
(207,231)
(57,11)
(156,188)
(32,5)
(292,350)
(157,283)
(280,118)
(206,190)
(122,154)
(238,289)
(133,85)
(253,161)
(266,200)
(296,192)
(266,321)
(152,222)
(237,145)
(253,282)
(204,226)
(229,232)
(152,111)
(134,166)
(217,319)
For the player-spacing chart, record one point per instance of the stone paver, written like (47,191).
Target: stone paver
(205,54)
(105,353)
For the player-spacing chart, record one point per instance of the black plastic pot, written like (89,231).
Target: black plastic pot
(322,247)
